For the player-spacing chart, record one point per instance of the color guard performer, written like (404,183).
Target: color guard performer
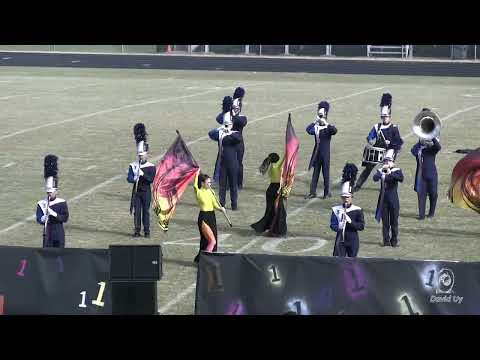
(52,212)
(320,159)
(347,219)
(227,163)
(383,135)
(388,206)
(207,223)
(273,166)
(426,177)
(141,174)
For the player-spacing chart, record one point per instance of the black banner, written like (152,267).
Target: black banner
(238,284)
(54,281)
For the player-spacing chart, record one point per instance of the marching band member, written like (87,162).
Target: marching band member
(388,206)
(52,212)
(227,164)
(273,166)
(141,174)
(234,107)
(426,177)
(383,135)
(239,122)
(347,219)
(320,159)
(207,223)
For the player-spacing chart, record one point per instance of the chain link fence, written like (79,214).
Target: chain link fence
(455,52)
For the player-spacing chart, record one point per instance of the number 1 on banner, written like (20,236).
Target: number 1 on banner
(23,264)
(298,306)
(84,295)
(98,301)
(274,271)
(430,282)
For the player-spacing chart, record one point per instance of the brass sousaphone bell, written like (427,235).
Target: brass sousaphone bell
(427,125)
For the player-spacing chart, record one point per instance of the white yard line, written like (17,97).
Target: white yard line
(46,92)
(107,111)
(8,165)
(91,167)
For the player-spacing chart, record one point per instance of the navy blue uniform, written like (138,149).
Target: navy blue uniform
(143,196)
(320,159)
(55,234)
(239,122)
(227,164)
(390,205)
(391,133)
(349,245)
(426,176)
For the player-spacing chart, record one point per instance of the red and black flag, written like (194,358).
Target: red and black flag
(290,162)
(174,172)
(279,223)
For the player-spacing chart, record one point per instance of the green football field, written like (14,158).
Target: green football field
(86,116)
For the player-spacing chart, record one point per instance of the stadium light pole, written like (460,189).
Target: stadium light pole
(207,49)
(247,49)
(287,48)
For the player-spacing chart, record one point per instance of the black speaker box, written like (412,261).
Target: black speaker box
(135,263)
(134,298)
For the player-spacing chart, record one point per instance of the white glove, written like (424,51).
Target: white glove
(348,220)
(387,142)
(52,212)
(341,225)
(223,209)
(372,141)
(43,218)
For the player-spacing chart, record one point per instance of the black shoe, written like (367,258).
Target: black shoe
(395,244)
(329,195)
(147,235)
(310,196)
(386,244)
(197,258)
(136,234)
(234,208)
(420,217)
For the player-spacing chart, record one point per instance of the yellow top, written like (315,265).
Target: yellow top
(275,171)
(205,197)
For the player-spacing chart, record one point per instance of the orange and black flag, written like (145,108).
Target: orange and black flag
(464,189)
(174,172)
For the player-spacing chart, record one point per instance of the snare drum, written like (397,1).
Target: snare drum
(373,155)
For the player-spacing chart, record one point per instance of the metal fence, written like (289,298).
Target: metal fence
(460,52)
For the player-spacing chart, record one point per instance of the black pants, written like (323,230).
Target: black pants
(266,221)
(346,248)
(55,236)
(229,174)
(390,214)
(324,165)
(141,211)
(240,152)
(364,175)
(429,188)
